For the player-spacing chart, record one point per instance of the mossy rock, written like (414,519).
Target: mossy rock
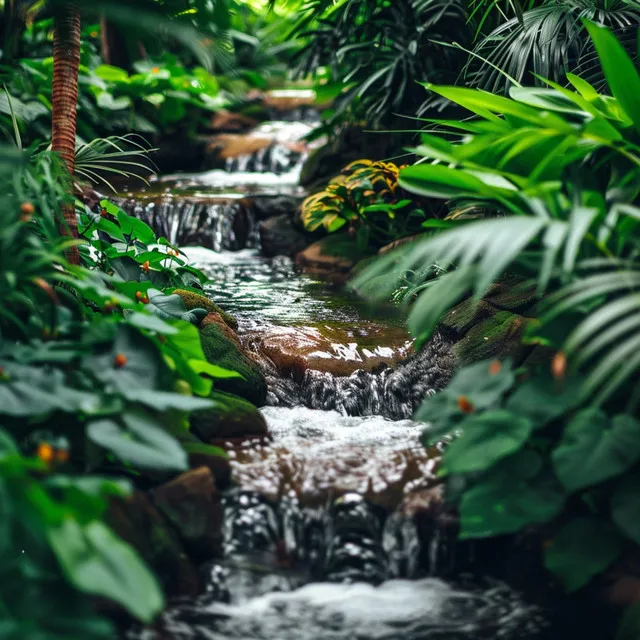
(466,315)
(512,294)
(496,337)
(220,350)
(232,417)
(194,300)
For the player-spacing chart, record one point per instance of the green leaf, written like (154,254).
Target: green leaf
(619,70)
(141,443)
(510,496)
(165,400)
(149,322)
(137,229)
(625,506)
(126,267)
(584,548)
(542,400)
(595,448)
(213,370)
(437,181)
(97,561)
(142,367)
(480,386)
(486,438)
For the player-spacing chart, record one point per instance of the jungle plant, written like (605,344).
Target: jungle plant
(522,452)
(564,166)
(90,381)
(378,50)
(545,39)
(366,198)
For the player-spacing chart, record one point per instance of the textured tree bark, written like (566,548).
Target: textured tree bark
(66,59)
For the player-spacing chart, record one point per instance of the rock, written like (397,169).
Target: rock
(269,206)
(231,418)
(497,336)
(332,257)
(194,300)
(191,503)
(512,294)
(224,352)
(288,100)
(466,315)
(230,145)
(279,237)
(228,121)
(337,349)
(201,454)
(137,521)
(400,243)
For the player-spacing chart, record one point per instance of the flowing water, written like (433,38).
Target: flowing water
(335,528)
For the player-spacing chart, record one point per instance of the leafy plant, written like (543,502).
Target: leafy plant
(563,165)
(365,196)
(525,454)
(377,50)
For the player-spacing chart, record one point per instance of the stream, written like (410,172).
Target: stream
(325,531)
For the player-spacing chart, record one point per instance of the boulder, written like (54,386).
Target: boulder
(497,336)
(201,454)
(231,122)
(331,258)
(466,315)
(279,237)
(231,418)
(265,207)
(138,522)
(337,349)
(219,349)
(191,503)
(194,300)
(231,145)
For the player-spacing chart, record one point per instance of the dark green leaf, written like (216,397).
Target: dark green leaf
(584,548)
(625,506)
(595,448)
(486,438)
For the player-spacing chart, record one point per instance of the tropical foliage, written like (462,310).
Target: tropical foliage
(366,198)
(544,184)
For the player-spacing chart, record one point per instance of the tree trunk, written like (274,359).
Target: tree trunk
(66,59)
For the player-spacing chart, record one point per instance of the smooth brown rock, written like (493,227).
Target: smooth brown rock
(283,100)
(137,521)
(328,259)
(338,349)
(228,121)
(230,145)
(215,318)
(191,503)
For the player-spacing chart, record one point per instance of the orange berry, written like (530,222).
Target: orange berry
(104,212)
(27,209)
(45,452)
(155,70)
(495,367)
(465,405)
(559,365)
(62,455)
(120,360)
(145,266)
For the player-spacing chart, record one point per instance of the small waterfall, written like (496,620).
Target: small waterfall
(220,226)
(276,158)
(394,393)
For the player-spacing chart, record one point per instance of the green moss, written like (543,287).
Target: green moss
(466,315)
(218,349)
(494,337)
(512,294)
(232,417)
(194,300)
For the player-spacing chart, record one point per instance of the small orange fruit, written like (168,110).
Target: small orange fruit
(145,266)
(45,452)
(62,455)
(120,360)
(155,70)
(559,365)
(495,367)
(465,405)
(27,209)
(104,212)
